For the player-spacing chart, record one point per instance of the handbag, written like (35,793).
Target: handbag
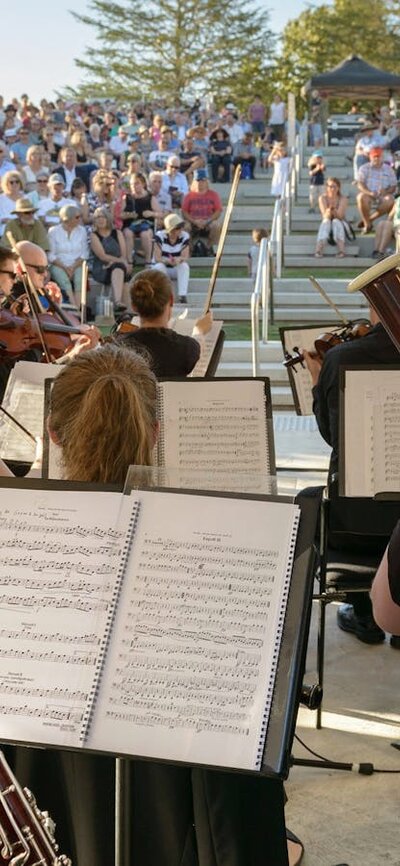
(349,232)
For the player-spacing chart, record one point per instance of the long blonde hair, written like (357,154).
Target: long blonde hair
(103,413)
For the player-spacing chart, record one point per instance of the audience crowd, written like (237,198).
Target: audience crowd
(96,180)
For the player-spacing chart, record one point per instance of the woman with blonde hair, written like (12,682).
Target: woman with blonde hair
(81,146)
(103,414)
(110,265)
(34,163)
(12,189)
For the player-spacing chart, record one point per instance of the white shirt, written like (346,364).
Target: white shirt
(117,146)
(49,210)
(277,113)
(7,205)
(177,181)
(235,132)
(67,248)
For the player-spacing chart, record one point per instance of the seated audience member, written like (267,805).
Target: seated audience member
(245,154)
(369,137)
(385,591)
(24,227)
(163,199)
(42,191)
(375,348)
(138,215)
(49,208)
(69,168)
(174,182)
(79,143)
(93,138)
(191,158)
(79,197)
(135,150)
(145,144)
(233,128)
(49,145)
(171,354)
(106,160)
(333,206)
(171,253)
(158,158)
(34,163)
(132,124)
(377,183)
(119,146)
(68,250)
(110,264)
(11,187)
(6,163)
(20,148)
(202,208)
(220,151)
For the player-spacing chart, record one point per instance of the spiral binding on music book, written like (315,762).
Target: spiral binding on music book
(277,645)
(94,691)
(160,447)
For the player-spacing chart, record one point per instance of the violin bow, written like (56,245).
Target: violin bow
(326,298)
(222,237)
(34,299)
(18,423)
(84,292)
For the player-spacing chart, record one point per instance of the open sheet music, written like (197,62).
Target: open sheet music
(299,377)
(207,342)
(24,399)
(146,625)
(369,445)
(221,426)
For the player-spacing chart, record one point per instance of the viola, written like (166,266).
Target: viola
(352,331)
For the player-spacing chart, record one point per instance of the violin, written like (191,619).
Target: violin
(19,334)
(352,331)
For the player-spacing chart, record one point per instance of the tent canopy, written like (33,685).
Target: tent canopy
(354,78)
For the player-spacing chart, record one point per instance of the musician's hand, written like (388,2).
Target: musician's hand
(314,365)
(54,292)
(91,333)
(203,324)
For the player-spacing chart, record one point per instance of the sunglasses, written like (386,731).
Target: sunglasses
(11,274)
(40,269)
(14,181)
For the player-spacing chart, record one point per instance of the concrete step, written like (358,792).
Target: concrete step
(303,244)
(227,261)
(312,264)
(240,350)
(292,285)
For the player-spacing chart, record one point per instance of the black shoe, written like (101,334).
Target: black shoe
(375,254)
(395,641)
(363,627)
(182,299)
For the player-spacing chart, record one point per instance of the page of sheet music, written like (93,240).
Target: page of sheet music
(386,441)
(216,426)
(372,431)
(60,557)
(188,670)
(207,342)
(300,380)
(24,399)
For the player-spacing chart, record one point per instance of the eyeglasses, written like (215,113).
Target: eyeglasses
(11,274)
(14,181)
(40,269)
(332,185)
(42,180)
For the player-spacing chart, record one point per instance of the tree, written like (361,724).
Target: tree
(168,48)
(323,36)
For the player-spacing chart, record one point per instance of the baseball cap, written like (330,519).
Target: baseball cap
(200,174)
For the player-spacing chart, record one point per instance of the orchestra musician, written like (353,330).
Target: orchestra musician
(374,348)
(29,263)
(103,417)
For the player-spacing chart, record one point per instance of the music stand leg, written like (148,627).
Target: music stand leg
(122,812)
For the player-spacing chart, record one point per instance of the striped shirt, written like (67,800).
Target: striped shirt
(168,249)
(376,178)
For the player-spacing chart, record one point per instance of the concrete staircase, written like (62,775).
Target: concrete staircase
(295,299)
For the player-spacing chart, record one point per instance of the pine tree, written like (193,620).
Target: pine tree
(168,48)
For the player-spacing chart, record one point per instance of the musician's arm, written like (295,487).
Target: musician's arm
(5,472)
(385,591)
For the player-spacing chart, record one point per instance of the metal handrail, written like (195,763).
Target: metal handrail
(260,293)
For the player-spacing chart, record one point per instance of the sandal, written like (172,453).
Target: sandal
(340,255)
(295,857)
(318,255)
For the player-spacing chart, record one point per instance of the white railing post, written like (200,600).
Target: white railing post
(258,292)
(266,294)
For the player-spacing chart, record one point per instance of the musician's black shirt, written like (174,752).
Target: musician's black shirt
(375,348)
(171,354)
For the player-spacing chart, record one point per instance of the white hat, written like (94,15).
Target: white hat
(173,221)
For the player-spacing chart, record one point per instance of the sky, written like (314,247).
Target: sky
(38,56)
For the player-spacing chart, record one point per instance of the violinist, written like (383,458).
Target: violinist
(33,266)
(374,348)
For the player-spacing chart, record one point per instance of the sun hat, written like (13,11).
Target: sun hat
(173,221)
(24,205)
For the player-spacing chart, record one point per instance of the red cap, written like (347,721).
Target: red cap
(376,151)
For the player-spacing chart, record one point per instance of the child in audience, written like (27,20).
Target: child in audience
(252,256)
(316,167)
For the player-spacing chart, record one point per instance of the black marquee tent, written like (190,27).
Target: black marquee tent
(354,78)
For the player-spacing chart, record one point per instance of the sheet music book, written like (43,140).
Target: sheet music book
(24,399)
(369,445)
(299,377)
(212,425)
(147,625)
(207,342)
